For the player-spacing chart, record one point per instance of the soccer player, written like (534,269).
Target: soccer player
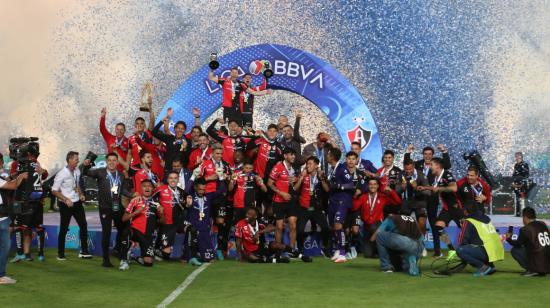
(414,201)
(32,193)
(214,171)
(365,165)
(68,190)
(117,143)
(145,172)
(318,149)
(143,214)
(244,98)
(250,241)
(424,164)
(353,217)
(372,210)
(479,243)
(310,186)
(172,199)
(342,189)
(199,206)
(177,146)
(109,184)
(399,233)
(281,179)
(232,142)
(243,185)
(444,188)
(291,138)
(229,92)
(140,133)
(157,150)
(388,173)
(472,189)
(531,249)
(201,153)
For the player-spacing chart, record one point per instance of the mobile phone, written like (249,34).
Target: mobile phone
(510,229)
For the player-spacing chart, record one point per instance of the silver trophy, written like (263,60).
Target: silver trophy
(214,64)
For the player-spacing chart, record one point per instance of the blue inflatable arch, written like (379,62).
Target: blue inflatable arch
(296,71)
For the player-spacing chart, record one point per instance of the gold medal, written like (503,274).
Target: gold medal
(181,148)
(201,216)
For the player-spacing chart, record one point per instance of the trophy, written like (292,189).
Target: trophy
(146,97)
(214,64)
(267,69)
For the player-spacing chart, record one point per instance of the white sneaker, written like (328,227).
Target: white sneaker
(124,266)
(61,259)
(84,255)
(424,253)
(335,255)
(340,259)
(353,252)
(7,280)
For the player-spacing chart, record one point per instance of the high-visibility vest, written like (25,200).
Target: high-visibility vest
(490,238)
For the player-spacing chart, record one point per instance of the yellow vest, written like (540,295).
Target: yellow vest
(490,238)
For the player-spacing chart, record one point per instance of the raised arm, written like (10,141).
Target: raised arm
(213,77)
(212,132)
(297,135)
(158,134)
(102,128)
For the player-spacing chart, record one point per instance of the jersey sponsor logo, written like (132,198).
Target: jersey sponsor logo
(359,133)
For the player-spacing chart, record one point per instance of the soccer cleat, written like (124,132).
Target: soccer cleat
(424,253)
(340,259)
(348,256)
(413,265)
(483,271)
(326,253)
(353,252)
(452,256)
(124,266)
(532,274)
(294,255)
(219,255)
(388,271)
(336,255)
(61,258)
(194,262)
(283,260)
(7,280)
(28,258)
(307,259)
(41,258)
(438,253)
(17,258)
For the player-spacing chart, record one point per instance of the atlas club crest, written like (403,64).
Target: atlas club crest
(359,133)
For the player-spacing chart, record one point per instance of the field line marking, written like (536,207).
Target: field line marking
(168,300)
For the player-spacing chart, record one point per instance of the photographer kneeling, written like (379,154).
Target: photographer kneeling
(479,243)
(532,247)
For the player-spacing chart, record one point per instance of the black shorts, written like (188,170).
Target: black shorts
(220,208)
(284,210)
(418,207)
(452,213)
(353,218)
(145,242)
(230,113)
(167,234)
(34,219)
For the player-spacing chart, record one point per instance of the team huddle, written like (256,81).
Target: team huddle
(233,180)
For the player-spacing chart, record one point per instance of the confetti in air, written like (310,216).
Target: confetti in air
(470,75)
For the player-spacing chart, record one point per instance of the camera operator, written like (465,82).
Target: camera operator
(5,211)
(109,184)
(521,173)
(30,195)
(67,189)
(532,247)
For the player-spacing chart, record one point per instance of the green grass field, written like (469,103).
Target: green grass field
(358,283)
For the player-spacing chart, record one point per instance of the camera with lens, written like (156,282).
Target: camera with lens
(20,149)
